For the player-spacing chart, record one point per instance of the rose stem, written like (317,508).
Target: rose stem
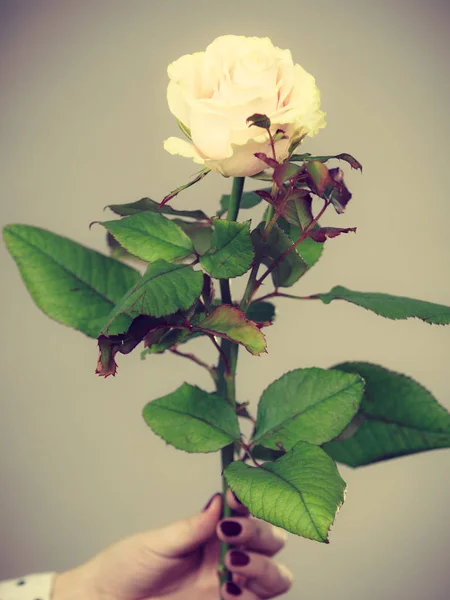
(250,287)
(226,385)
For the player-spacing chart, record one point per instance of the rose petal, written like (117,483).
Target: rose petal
(177,103)
(214,92)
(186,72)
(243,163)
(204,121)
(174,145)
(302,105)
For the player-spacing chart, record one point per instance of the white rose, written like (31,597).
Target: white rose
(212,93)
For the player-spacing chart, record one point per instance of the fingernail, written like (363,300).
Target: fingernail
(286,573)
(233,589)
(236,498)
(239,559)
(208,504)
(231,528)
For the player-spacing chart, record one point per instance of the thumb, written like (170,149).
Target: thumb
(186,535)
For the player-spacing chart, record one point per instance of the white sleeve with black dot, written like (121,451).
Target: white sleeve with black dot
(30,587)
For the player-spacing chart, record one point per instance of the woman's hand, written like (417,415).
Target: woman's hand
(179,562)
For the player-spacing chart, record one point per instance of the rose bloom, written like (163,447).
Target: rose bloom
(212,93)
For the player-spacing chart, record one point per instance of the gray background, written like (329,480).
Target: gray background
(83,117)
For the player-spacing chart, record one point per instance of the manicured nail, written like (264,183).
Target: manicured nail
(239,559)
(231,528)
(233,589)
(236,498)
(208,504)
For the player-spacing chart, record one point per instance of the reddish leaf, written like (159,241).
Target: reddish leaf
(285,172)
(124,343)
(280,134)
(329,184)
(154,336)
(271,162)
(355,164)
(259,120)
(265,195)
(323,233)
(106,365)
(343,156)
(319,176)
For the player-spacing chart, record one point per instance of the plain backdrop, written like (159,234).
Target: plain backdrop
(83,117)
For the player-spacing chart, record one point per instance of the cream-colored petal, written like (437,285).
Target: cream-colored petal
(286,78)
(210,131)
(174,145)
(214,92)
(302,104)
(243,162)
(186,71)
(177,102)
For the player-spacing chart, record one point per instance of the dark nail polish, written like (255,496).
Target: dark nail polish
(239,559)
(208,504)
(236,498)
(231,528)
(233,589)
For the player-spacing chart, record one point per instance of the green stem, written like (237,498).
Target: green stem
(251,283)
(226,382)
(235,198)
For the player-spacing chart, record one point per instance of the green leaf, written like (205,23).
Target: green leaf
(301,492)
(193,420)
(184,129)
(70,283)
(150,236)
(310,405)
(162,290)
(296,208)
(262,453)
(148,205)
(261,312)
(231,252)
(199,232)
(399,417)
(343,156)
(248,200)
(391,307)
(309,250)
(230,323)
(291,268)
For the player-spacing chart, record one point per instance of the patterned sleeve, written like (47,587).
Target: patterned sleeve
(31,587)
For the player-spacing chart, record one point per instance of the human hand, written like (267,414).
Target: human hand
(179,562)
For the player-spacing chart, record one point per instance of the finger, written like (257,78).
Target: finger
(234,502)
(232,591)
(254,534)
(264,576)
(185,535)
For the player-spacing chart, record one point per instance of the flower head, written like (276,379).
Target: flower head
(212,94)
